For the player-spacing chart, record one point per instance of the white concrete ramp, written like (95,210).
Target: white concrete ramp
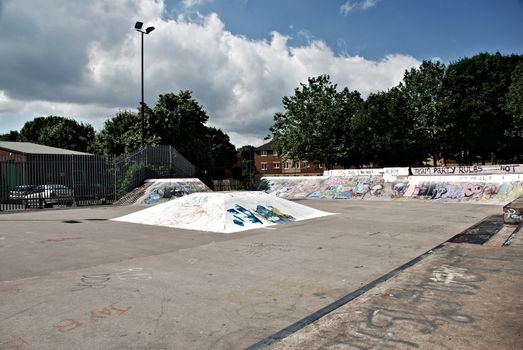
(223,212)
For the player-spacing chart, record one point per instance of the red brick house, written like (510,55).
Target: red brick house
(268,162)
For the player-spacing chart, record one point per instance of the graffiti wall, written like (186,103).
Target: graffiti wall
(161,190)
(470,169)
(338,187)
(494,189)
(370,171)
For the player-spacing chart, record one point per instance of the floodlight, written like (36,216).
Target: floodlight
(138,25)
(149,29)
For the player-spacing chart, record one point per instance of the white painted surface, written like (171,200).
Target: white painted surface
(224,212)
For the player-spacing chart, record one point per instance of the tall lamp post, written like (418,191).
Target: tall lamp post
(138,26)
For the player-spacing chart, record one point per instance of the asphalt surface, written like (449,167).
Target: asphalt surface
(462,296)
(71,279)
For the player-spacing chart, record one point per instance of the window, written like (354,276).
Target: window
(296,165)
(264,153)
(263,166)
(286,165)
(275,165)
(275,152)
(306,164)
(319,165)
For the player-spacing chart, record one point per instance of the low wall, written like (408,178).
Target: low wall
(494,189)
(336,187)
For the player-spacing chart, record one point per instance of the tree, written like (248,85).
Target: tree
(476,88)
(316,123)
(425,102)
(122,133)
(179,121)
(348,105)
(223,153)
(383,132)
(176,120)
(11,136)
(246,156)
(514,106)
(56,131)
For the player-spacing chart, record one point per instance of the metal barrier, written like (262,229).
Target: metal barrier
(47,180)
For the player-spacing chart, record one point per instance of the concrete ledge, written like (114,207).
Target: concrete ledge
(513,212)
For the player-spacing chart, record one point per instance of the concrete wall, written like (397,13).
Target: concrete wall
(393,183)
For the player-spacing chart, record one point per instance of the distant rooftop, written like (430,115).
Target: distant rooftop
(265,147)
(34,148)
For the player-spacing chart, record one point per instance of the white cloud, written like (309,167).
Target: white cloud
(239,81)
(366,4)
(352,5)
(192,3)
(347,7)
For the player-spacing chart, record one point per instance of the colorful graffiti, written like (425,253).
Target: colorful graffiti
(337,187)
(496,188)
(166,189)
(242,216)
(466,191)
(273,214)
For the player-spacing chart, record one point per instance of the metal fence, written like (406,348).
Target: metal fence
(45,180)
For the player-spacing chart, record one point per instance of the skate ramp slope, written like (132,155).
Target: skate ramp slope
(162,190)
(223,212)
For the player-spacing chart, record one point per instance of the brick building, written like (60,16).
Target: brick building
(268,162)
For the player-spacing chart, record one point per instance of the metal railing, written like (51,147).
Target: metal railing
(45,180)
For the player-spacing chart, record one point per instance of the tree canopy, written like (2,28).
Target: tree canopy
(177,120)
(316,122)
(58,132)
(470,110)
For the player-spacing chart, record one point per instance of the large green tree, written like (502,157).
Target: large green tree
(56,131)
(223,153)
(179,120)
(426,108)
(383,132)
(316,123)
(514,106)
(476,88)
(122,133)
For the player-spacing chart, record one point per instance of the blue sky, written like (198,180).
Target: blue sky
(448,29)
(81,59)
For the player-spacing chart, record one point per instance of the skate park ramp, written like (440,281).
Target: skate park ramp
(450,184)
(223,212)
(155,191)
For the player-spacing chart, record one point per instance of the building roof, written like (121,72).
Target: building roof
(34,148)
(265,147)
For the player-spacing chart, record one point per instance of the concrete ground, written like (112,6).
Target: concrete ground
(463,296)
(71,279)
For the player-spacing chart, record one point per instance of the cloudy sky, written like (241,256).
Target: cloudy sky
(81,59)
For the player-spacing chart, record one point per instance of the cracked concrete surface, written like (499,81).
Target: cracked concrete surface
(97,284)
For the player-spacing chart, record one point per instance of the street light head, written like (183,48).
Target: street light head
(149,29)
(138,25)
